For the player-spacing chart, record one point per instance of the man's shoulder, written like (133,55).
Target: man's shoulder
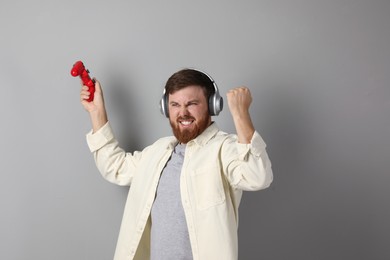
(224,136)
(165,142)
(221,137)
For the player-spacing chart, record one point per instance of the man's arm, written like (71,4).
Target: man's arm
(239,100)
(248,166)
(113,162)
(96,108)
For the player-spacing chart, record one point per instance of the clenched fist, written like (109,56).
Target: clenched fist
(96,108)
(239,100)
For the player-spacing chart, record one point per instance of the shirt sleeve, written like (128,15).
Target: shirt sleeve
(247,166)
(115,165)
(97,140)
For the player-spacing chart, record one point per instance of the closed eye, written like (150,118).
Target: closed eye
(174,104)
(192,103)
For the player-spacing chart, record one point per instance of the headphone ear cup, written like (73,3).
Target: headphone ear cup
(220,105)
(212,105)
(215,104)
(164,105)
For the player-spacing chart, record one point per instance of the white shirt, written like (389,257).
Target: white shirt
(216,169)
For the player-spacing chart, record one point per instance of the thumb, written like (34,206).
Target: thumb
(98,96)
(98,87)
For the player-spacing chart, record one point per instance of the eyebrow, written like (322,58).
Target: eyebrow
(189,102)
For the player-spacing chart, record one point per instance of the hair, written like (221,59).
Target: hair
(189,77)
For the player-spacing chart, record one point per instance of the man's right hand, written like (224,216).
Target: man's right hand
(96,108)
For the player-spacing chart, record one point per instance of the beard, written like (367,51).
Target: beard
(186,135)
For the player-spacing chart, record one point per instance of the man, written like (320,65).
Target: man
(185,190)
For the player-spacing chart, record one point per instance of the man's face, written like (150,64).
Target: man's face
(188,113)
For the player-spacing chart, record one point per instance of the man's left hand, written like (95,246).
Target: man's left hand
(239,100)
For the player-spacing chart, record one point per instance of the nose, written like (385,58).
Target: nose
(184,111)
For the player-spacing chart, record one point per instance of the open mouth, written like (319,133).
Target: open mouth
(186,122)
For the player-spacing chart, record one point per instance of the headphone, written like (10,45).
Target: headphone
(215,100)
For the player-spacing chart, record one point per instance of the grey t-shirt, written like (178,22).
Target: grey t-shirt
(169,235)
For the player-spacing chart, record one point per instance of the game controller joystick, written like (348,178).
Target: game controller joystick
(78,69)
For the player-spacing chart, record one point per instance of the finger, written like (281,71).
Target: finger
(84,97)
(84,88)
(242,89)
(238,91)
(85,94)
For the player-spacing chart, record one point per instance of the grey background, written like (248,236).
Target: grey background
(319,72)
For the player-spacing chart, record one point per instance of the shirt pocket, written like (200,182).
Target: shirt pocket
(208,187)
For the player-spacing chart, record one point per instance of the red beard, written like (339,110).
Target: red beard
(186,135)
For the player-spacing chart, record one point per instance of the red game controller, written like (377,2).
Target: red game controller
(78,69)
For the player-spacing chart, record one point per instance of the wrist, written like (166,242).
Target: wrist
(98,120)
(244,128)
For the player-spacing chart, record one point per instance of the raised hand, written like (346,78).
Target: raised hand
(96,108)
(239,100)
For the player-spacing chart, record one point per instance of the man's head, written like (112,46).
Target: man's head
(187,95)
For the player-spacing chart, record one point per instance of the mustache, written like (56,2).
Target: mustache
(181,118)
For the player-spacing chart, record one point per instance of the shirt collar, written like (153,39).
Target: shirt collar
(207,134)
